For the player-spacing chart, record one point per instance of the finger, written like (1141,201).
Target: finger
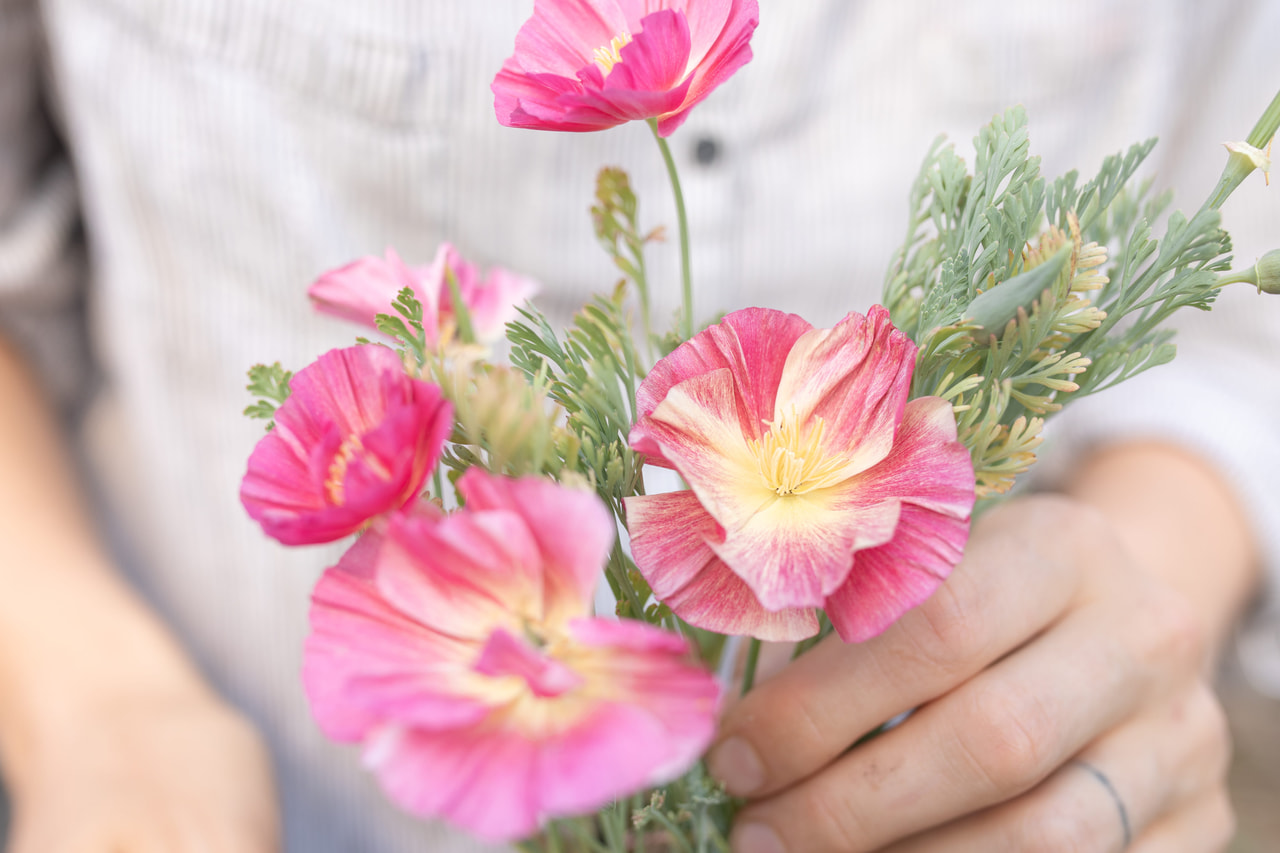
(988,741)
(1012,583)
(1205,826)
(1120,785)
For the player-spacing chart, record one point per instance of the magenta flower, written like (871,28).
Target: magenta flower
(367,287)
(355,440)
(593,64)
(460,653)
(813,481)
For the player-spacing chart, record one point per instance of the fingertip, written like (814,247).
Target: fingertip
(736,764)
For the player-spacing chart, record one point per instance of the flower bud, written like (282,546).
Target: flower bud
(992,310)
(1267,272)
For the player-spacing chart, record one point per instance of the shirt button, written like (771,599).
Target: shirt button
(706,151)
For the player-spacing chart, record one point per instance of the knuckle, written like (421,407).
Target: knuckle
(1170,633)
(1006,736)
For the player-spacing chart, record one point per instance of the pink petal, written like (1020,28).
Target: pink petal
(656,59)
(506,654)
(483,781)
(364,288)
(365,661)
(629,634)
(573,530)
(730,50)
(889,580)
(752,343)
(562,35)
(669,534)
(856,377)
(464,575)
(927,465)
(494,303)
(357,393)
(718,600)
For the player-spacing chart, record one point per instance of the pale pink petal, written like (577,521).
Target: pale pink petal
(698,428)
(506,654)
(485,781)
(927,465)
(752,344)
(573,530)
(718,600)
(464,575)
(798,549)
(856,377)
(562,35)
(669,534)
(890,580)
(630,634)
(365,661)
(494,303)
(363,289)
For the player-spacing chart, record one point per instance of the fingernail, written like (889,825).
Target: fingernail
(737,765)
(755,838)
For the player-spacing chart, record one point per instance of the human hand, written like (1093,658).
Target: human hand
(146,773)
(1047,647)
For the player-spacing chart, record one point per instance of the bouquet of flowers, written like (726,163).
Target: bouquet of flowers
(828,476)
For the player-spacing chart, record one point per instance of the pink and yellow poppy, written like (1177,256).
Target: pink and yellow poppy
(461,653)
(355,440)
(813,482)
(582,65)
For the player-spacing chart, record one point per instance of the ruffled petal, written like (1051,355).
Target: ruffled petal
(363,289)
(462,576)
(889,580)
(669,534)
(572,529)
(718,600)
(752,344)
(856,377)
(927,465)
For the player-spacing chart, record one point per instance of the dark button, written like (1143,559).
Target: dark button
(707,151)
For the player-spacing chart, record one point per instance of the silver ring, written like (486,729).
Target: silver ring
(1115,797)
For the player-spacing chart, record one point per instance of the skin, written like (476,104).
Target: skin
(112,742)
(1079,626)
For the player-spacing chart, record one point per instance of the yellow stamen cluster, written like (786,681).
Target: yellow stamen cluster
(791,461)
(338,468)
(611,54)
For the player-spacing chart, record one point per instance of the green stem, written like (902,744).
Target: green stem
(753,659)
(676,833)
(686,273)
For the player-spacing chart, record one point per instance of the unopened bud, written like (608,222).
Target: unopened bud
(1264,275)
(992,310)
(1267,270)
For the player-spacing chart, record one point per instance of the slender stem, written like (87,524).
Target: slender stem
(677,834)
(686,274)
(749,673)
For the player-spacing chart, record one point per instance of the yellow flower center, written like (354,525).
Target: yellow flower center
(792,462)
(611,54)
(338,468)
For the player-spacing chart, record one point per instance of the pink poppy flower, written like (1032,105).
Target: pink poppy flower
(813,481)
(365,288)
(593,64)
(459,651)
(355,440)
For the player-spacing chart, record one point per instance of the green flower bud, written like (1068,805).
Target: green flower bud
(992,310)
(1267,272)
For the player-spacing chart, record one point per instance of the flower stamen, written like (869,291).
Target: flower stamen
(792,462)
(611,54)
